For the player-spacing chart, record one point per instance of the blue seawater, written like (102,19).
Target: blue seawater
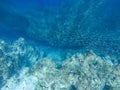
(59,38)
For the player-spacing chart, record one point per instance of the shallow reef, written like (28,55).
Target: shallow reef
(23,67)
(13,57)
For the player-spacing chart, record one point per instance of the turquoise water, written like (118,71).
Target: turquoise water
(33,30)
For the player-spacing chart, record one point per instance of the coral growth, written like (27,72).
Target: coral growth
(81,72)
(78,72)
(13,57)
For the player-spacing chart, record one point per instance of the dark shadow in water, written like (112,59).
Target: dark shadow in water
(12,24)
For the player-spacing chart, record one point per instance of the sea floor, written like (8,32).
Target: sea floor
(26,66)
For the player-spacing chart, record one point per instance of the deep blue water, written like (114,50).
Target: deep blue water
(103,22)
(14,22)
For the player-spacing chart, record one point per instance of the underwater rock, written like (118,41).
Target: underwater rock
(79,72)
(13,57)
(86,71)
(22,82)
(114,81)
(9,61)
